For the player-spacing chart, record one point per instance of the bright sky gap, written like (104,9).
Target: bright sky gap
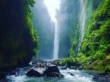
(52,6)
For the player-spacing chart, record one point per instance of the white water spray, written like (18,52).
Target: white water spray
(56,43)
(52,6)
(82,22)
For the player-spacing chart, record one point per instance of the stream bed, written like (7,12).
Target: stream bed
(77,76)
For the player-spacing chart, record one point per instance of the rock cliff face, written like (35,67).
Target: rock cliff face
(45,27)
(18,39)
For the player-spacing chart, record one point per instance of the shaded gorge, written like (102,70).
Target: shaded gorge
(69,38)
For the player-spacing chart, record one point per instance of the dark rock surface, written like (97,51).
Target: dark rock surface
(69,64)
(74,65)
(2,76)
(3,80)
(71,73)
(52,71)
(102,77)
(5,71)
(49,71)
(33,73)
(64,67)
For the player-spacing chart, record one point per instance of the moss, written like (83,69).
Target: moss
(70,59)
(18,38)
(96,41)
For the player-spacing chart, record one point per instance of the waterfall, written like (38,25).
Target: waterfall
(82,22)
(52,7)
(56,43)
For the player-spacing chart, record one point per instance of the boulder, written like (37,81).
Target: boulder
(2,76)
(3,80)
(52,71)
(33,73)
(71,73)
(72,67)
(102,77)
(63,68)
(80,68)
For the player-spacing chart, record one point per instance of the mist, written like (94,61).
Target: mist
(67,18)
(45,27)
(46,17)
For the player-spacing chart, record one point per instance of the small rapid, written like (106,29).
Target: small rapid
(69,76)
(77,76)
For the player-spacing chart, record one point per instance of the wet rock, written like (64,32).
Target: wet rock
(80,68)
(102,77)
(53,71)
(3,80)
(5,71)
(33,73)
(71,73)
(72,67)
(2,76)
(63,67)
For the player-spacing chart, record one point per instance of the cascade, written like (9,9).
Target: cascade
(56,42)
(82,22)
(52,6)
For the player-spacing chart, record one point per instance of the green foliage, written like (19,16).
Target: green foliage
(71,52)
(18,38)
(29,25)
(70,59)
(69,25)
(82,58)
(32,31)
(96,43)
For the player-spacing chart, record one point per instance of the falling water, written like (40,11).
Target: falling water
(52,6)
(82,22)
(56,43)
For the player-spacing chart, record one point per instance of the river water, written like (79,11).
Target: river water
(79,76)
